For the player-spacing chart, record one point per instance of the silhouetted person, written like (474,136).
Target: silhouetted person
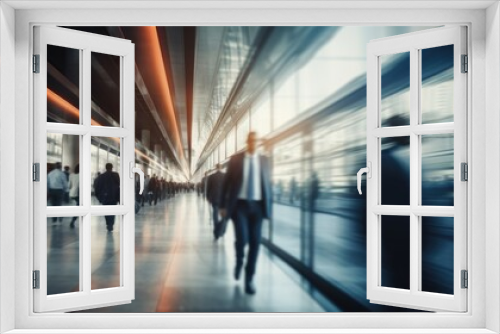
(145,196)
(246,197)
(67,173)
(74,189)
(314,191)
(107,191)
(293,190)
(57,186)
(153,188)
(214,188)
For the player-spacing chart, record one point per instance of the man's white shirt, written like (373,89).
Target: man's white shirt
(257,192)
(57,180)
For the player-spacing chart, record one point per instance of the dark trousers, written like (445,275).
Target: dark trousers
(56,199)
(77,203)
(110,222)
(215,213)
(215,218)
(247,220)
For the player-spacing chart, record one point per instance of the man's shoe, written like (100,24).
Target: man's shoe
(237,271)
(250,288)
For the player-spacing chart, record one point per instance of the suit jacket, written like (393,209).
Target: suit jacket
(214,187)
(107,188)
(234,179)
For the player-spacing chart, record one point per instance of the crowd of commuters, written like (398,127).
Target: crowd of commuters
(156,189)
(243,195)
(63,187)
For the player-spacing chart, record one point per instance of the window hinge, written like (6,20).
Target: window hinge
(36,172)
(36,279)
(465,279)
(36,63)
(465,64)
(464,171)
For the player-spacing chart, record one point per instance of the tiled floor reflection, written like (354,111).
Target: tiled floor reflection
(179,268)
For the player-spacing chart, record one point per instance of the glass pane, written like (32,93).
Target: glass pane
(230,143)
(105,244)
(63,169)
(261,114)
(242,132)
(222,151)
(437,84)
(63,85)
(105,171)
(63,255)
(395,242)
(105,89)
(285,101)
(287,186)
(395,170)
(395,99)
(437,170)
(437,254)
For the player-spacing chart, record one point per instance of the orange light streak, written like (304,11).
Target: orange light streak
(161,83)
(72,110)
(65,105)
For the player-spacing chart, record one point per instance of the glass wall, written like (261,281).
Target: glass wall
(242,132)
(287,189)
(318,216)
(261,114)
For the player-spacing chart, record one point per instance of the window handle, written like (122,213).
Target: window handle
(139,171)
(368,171)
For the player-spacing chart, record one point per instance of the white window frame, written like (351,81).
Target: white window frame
(85,43)
(484,49)
(413,43)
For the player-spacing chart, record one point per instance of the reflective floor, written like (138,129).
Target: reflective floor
(179,268)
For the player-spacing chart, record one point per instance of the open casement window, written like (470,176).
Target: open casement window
(83,119)
(416,145)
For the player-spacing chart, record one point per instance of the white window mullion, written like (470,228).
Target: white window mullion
(422,129)
(86,251)
(414,170)
(109,210)
(67,129)
(373,189)
(86,184)
(127,98)
(107,131)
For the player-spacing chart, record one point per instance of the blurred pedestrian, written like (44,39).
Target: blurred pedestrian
(74,189)
(246,198)
(214,188)
(293,190)
(314,191)
(107,191)
(145,193)
(66,194)
(57,186)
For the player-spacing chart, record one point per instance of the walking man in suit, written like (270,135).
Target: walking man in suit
(246,198)
(214,188)
(107,191)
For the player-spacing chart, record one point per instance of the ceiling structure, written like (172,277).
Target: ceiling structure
(192,83)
